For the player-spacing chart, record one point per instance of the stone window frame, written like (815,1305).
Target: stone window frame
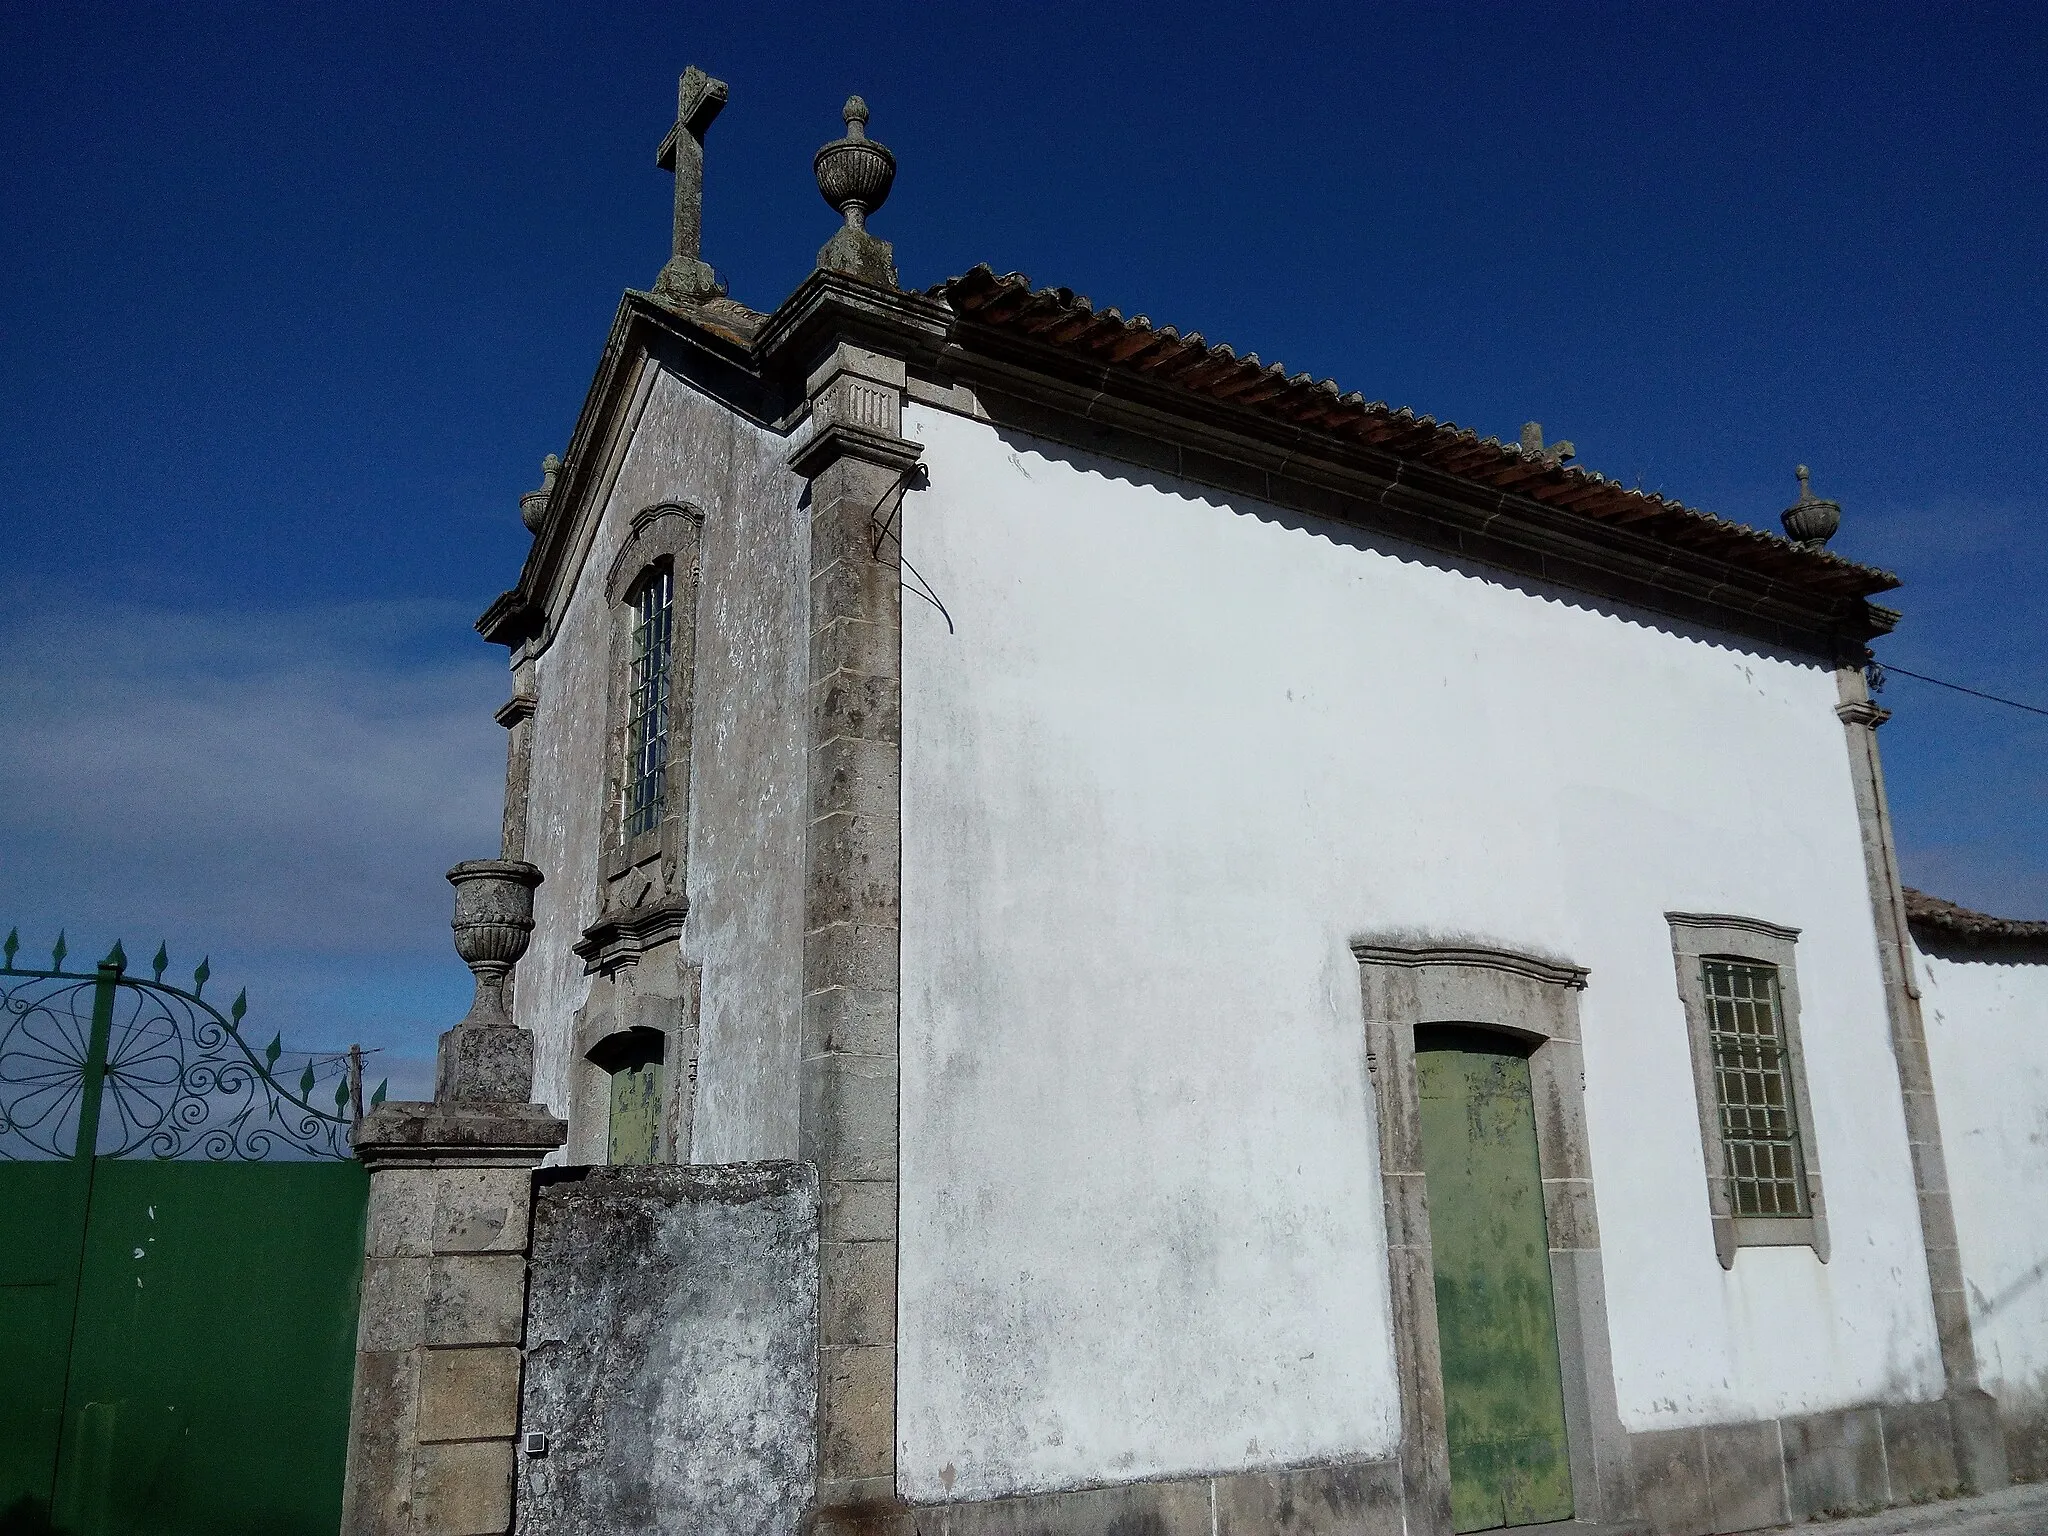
(642,880)
(1532,1002)
(670,532)
(1701,936)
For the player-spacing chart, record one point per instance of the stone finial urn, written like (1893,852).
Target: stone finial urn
(533,506)
(1810,520)
(854,175)
(486,1057)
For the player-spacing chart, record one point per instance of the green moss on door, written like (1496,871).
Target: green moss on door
(1503,1392)
(635,1113)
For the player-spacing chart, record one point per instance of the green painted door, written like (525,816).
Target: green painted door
(1503,1393)
(636,1113)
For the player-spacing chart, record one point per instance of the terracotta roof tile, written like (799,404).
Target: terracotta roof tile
(1061,318)
(1933,919)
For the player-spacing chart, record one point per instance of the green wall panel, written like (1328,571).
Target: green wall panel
(212,1355)
(42,1224)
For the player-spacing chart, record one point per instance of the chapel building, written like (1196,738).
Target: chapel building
(1335,974)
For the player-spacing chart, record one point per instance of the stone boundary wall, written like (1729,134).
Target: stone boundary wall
(671,1354)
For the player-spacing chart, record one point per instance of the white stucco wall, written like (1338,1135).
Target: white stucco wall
(747,770)
(1173,755)
(1987,1037)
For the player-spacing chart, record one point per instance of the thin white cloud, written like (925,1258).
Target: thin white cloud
(283,786)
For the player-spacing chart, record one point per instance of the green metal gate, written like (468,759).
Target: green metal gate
(181,1241)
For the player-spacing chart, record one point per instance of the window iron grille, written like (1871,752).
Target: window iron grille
(646,787)
(1764,1165)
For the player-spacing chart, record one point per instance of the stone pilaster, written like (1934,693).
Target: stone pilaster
(856,461)
(1979,1440)
(516,715)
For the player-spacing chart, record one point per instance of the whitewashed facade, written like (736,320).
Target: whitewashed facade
(1086,778)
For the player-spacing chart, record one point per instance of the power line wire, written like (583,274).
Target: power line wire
(1885,668)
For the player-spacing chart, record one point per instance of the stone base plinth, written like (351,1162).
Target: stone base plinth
(443,1316)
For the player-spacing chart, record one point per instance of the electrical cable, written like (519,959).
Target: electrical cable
(1885,668)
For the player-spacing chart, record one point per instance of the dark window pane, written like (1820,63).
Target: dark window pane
(1759,1132)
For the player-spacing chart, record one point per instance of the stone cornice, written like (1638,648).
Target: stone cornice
(620,938)
(1728,920)
(1418,956)
(451,1135)
(1033,386)
(515,709)
(1862,712)
(844,440)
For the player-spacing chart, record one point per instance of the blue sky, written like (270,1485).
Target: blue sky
(297,298)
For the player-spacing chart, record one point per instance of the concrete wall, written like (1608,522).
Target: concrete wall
(747,777)
(1987,1036)
(1172,755)
(672,1352)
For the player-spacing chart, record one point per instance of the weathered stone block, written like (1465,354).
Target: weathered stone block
(857,1404)
(858,955)
(394,1304)
(1834,1463)
(476,1299)
(852,872)
(855,585)
(849,1125)
(852,1021)
(463,1490)
(672,1351)
(376,1495)
(468,1393)
(401,1214)
(1135,1509)
(482,1210)
(1920,1451)
(856,646)
(484,1064)
(1981,1460)
(1406,1196)
(1356,1499)
(857,1288)
(853,706)
(1557,1075)
(1569,1215)
(1671,1481)
(1745,1475)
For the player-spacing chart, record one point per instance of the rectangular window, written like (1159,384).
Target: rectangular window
(1738,981)
(1753,1089)
(646,788)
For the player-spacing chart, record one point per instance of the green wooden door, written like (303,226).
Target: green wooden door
(1503,1394)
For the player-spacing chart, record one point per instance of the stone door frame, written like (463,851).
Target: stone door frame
(1536,1002)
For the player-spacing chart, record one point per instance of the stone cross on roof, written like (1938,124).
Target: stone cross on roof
(699,99)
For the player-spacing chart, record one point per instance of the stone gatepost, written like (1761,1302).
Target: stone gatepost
(436,1407)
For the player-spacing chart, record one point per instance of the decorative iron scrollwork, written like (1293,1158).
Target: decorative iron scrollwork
(144,1068)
